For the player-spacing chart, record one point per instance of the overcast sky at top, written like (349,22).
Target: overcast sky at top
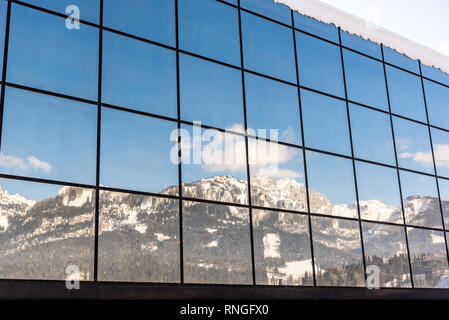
(426,22)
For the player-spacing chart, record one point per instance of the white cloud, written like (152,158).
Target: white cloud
(406,155)
(441,152)
(21,164)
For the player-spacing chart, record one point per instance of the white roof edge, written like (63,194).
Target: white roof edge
(369,31)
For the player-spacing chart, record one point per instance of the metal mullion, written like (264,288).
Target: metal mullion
(352,156)
(5,65)
(306,179)
(397,169)
(248,172)
(46,181)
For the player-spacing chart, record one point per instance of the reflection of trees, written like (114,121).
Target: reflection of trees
(343,276)
(394,272)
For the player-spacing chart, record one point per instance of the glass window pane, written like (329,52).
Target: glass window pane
(138,238)
(210,93)
(421,203)
(365,80)
(44,229)
(138,75)
(268,48)
(331,185)
(319,65)
(364,46)
(435,74)
(211,29)
(311,25)
(386,248)
(270,9)
(282,249)
(154,20)
(48,137)
(141,147)
(277,176)
(444,194)
(221,172)
(337,253)
(413,145)
(406,95)
(67,63)
(440,140)
(437,98)
(231,1)
(272,105)
(371,135)
(379,196)
(325,123)
(3,9)
(400,60)
(89,9)
(217,245)
(429,258)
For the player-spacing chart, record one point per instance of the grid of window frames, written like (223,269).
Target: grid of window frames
(88,117)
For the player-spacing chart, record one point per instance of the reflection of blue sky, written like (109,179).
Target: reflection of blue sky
(371,135)
(30,190)
(325,123)
(89,9)
(135,152)
(273,105)
(361,45)
(435,74)
(413,145)
(48,137)
(3,5)
(268,48)
(154,20)
(440,140)
(414,184)
(67,63)
(365,80)
(319,65)
(400,60)
(268,8)
(332,176)
(211,29)
(210,93)
(326,31)
(437,98)
(406,95)
(138,75)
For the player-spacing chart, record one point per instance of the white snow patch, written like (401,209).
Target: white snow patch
(296,269)
(161,237)
(271,243)
(368,31)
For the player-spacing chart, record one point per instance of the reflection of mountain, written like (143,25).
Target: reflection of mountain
(139,239)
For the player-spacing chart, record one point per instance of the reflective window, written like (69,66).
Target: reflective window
(268,48)
(282,249)
(378,189)
(3,7)
(277,176)
(89,9)
(440,140)
(217,245)
(140,146)
(154,20)
(211,29)
(331,185)
(361,45)
(337,253)
(319,65)
(421,202)
(44,229)
(406,95)
(272,105)
(386,248)
(67,63)
(400,60)
(138,238)
(268,8)
(138,75)
(48,137)
(365,80)
(371,135)
(210,93)
(325,123)
(214,165)
(311,25)
(429,258)
(413,145)
(231,1)
(437,98)
(444,194)
(435,74)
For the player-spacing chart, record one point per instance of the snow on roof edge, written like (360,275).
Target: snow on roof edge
(369,31)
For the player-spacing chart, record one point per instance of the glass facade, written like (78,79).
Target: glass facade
(339,158)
